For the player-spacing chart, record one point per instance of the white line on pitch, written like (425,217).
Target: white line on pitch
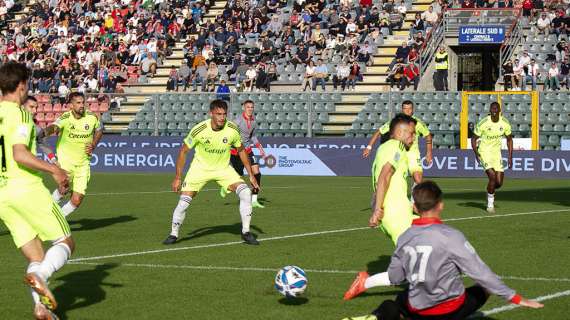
(515,306)
(265,269)
(308,234)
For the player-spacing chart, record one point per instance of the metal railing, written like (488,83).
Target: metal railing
(454,18)
(512,40)
(435,38)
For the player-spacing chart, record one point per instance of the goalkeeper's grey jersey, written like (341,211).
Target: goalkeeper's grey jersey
(247,128)
(431,257)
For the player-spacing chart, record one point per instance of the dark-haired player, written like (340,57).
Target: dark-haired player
(413,155)
(212,140)
(431,258)
(490,132)
(79,133)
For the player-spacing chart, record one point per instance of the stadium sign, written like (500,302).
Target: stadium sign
(319,157)
(481,34)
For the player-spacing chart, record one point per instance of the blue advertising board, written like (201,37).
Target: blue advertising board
(481,34)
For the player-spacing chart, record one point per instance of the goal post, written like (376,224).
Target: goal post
(512,102)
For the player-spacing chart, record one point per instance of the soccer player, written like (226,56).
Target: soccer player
(26,207)
(79,133)
(390,204)
(431,258)
(212,140)
(413,155)
(247,126)
(31,105)
(490,131)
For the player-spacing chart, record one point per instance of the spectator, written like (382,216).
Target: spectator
(565,73)
(262,82)
(365,54)
(354,75)
(200,75)
(308,76)
(401,55)
(508,81)
(395,76)
(184,74)
(223,91)
(552,81)
(527,6)
(543,25)
(518,75)
(272,71)
(341,76)
(321,75)
(148,65)
(531,75)
(250,76)
(411,76)
(560,24)
(430,18)
(302,56)
(171,83)
(212,76)
(562,50)
(417,25)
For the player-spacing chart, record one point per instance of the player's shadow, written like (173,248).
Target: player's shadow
(293,301)
(379,265)
(480,316)
(85,224)
(227,228)
(81,289)
(477,205)
(556,196)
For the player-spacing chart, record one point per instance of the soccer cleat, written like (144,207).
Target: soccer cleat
(248,238)
(223,192)
(357,286)
(491,209)
(41,312)
(256,204)
(170,239)
(40,287)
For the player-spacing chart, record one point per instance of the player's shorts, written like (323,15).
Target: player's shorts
(414,161)
(491,160)
(398,216)
(238,166)
(475,298)
(196,178)
(79,176)
(29,212)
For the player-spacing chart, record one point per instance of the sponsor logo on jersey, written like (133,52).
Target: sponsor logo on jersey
(225,140)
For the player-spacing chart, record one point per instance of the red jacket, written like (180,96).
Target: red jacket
(411,72)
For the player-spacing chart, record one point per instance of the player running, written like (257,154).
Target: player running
(247,126)
(413,155)
(490,131)
(212,139)
(26,207)
(431,258)
(79,133)
(391,208)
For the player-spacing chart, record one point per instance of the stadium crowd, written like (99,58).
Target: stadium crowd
(551,64)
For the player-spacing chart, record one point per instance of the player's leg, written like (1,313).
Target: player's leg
(499,179)
(475,298)
(57,195)
(238,166)
(81,177)
(229,179)
(193,183)
(255,191)
(491,183)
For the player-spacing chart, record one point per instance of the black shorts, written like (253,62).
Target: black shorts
(475,298)
(238,165)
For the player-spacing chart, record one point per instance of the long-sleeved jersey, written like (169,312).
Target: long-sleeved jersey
(247,127)
(431,257)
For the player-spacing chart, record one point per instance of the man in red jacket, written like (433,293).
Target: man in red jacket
(411,76)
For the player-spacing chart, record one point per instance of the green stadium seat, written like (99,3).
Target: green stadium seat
(554,140)
(547,127)
(559,128)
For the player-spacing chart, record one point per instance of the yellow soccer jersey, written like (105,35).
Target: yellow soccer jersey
(394,153)
(212,148)
(421,131)
(491,133)
(16,127)
(75,135)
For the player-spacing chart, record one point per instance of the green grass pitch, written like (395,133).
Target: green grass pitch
(209,275)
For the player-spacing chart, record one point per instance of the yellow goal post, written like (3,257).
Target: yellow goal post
(499,96)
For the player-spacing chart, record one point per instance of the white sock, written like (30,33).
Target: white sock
(55,258)
(244,195)
(68,208)
(412,193)
(254,198)
(377,280)
(56,196)
(179,214)
(34,267)
(490,200)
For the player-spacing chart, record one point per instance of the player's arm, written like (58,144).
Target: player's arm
(381,189)
(96,138)
(52,129)
(474,139)
(24,157)
(429,145)
(258,145)
(180,162)
(510,147)
(371,143)
(469,262)
(245,160)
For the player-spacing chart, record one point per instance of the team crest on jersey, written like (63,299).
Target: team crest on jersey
(86,126)
(225,140)
(397,157)
(501,128)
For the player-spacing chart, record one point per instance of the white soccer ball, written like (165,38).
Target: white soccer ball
(291,281)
